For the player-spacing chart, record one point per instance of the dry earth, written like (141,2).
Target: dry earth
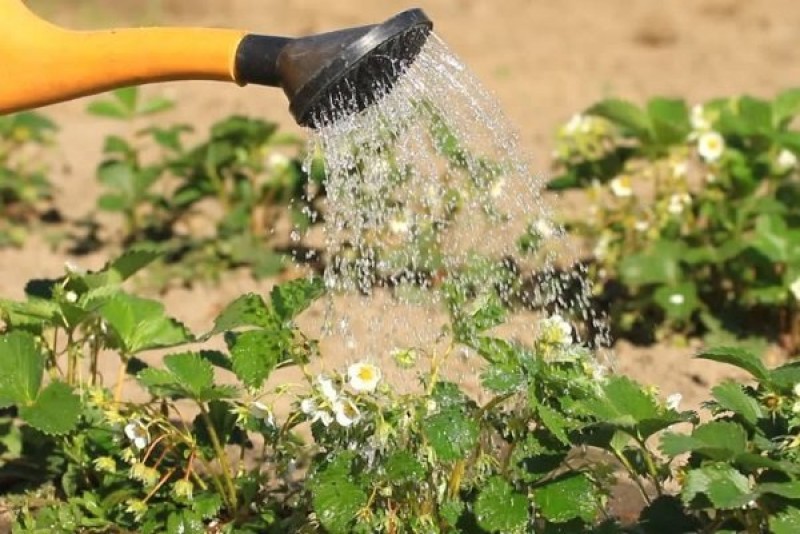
(543,60)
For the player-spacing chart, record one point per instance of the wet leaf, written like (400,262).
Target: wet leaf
(566,498)
(247,310)
(254,355)
(500,508)
(787,522)
(291,298)
(718,440)
(452,434)
(724,486)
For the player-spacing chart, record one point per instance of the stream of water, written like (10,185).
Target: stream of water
(431,183)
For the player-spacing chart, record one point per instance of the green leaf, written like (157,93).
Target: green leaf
(500,508)
(127,97)
(154,105)
(117,271)
(185,522)
(719,440)
(730,396)
(785,376)
(785,107)
(737,357)
(451,434)
(569,497)
(724,486)
(194,373)
(678,301)
(112,202)
(625,115)
(254,354)
(207,504)
(556,423)
(625,403)
(669,119)
(658,265)
(787,522)
(106,108)
(55,411)
(186,375)
(247,310)
(291,298)
(141,324)
(775,240)
(336,497)
(790,490)
(21,368)
(756,115)
(402,466)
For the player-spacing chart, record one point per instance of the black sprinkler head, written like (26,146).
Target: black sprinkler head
(334,74)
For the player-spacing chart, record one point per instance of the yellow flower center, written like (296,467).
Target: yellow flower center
(366,374)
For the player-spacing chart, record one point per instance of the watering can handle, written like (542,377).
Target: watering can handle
(41,63)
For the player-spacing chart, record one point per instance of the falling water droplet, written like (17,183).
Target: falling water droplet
(419,187)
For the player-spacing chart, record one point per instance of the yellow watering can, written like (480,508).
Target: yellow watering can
(324,76)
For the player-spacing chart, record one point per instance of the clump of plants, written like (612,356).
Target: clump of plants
(544,452)
(25,189)
(213,204)
(694,214)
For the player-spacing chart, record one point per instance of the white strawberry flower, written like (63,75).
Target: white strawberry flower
(674,401)
(137,433)
(74,268)
(309,407)
(544,228)
(678,202)
(786,160)
(679,169)
(278,161)
(795,289)
(577,123)
(497,187)
(555,330)
(260,411)
(346,412)
(676,299)
(400,224)
(327,389)
(71,297)
(796,390)
(621,186)
(710,146)
(363,377)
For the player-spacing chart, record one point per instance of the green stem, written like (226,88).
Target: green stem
(222,458)
(651,466)
(72,359)
(632,473)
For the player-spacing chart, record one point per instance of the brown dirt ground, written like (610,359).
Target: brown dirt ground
(543,60)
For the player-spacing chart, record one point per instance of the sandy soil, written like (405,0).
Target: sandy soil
(544,61)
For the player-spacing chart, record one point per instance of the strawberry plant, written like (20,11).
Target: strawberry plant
(544,452)
(694,216)
(238,179)
(25,189)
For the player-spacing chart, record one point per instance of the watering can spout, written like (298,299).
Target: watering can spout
(44,64)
